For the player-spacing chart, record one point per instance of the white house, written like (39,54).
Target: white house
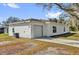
(37,28)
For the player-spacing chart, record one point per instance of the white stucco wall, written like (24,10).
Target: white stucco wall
(6,30)
(24,31)
(59,29)
(27,30)
(10,31)
(45,28)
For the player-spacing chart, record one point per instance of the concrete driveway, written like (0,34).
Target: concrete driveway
(61,41)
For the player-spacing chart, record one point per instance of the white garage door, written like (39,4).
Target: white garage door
(38,31)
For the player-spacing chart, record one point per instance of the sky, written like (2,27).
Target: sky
(26,10)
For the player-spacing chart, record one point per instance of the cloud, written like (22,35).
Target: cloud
(53,15)
(12,5)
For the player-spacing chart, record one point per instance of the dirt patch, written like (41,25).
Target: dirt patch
(4,43)
(35,47)
(53,51)
(14,49)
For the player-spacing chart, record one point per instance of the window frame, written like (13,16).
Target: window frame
(13,30)
(64,29)
(54,29)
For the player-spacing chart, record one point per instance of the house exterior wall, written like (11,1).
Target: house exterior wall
(27,30)
(6,30)
(59,29)
(34,30)
(48,30)
(23,30)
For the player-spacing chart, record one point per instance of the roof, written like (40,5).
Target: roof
(2,26)
(39,20)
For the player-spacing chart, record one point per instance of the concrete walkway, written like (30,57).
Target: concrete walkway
(62,41)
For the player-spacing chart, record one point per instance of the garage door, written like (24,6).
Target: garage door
(38,31)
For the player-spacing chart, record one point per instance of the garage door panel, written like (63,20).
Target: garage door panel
(37,31)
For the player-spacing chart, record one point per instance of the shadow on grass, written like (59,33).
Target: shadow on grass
(64,35)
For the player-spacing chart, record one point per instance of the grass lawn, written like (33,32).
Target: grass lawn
(20,46)
(5,37)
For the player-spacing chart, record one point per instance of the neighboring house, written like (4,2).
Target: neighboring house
(3,29)
(37,28)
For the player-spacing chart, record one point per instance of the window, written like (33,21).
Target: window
(13,30)
(64,29)
(54,29)
(7,30)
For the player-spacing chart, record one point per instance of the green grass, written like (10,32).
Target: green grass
(5,37)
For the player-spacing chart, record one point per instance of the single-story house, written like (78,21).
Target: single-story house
(3,29)
(37,28)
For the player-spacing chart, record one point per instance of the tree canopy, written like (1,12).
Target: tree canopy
(11,20)
(71,10)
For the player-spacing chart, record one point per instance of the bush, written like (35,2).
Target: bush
(73,28)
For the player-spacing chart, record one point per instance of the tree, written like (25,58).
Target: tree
(11,20)
(52,19)
(71,8)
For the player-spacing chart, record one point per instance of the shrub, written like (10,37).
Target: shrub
(73,28)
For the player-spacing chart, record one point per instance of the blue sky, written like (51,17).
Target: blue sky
(26,10)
